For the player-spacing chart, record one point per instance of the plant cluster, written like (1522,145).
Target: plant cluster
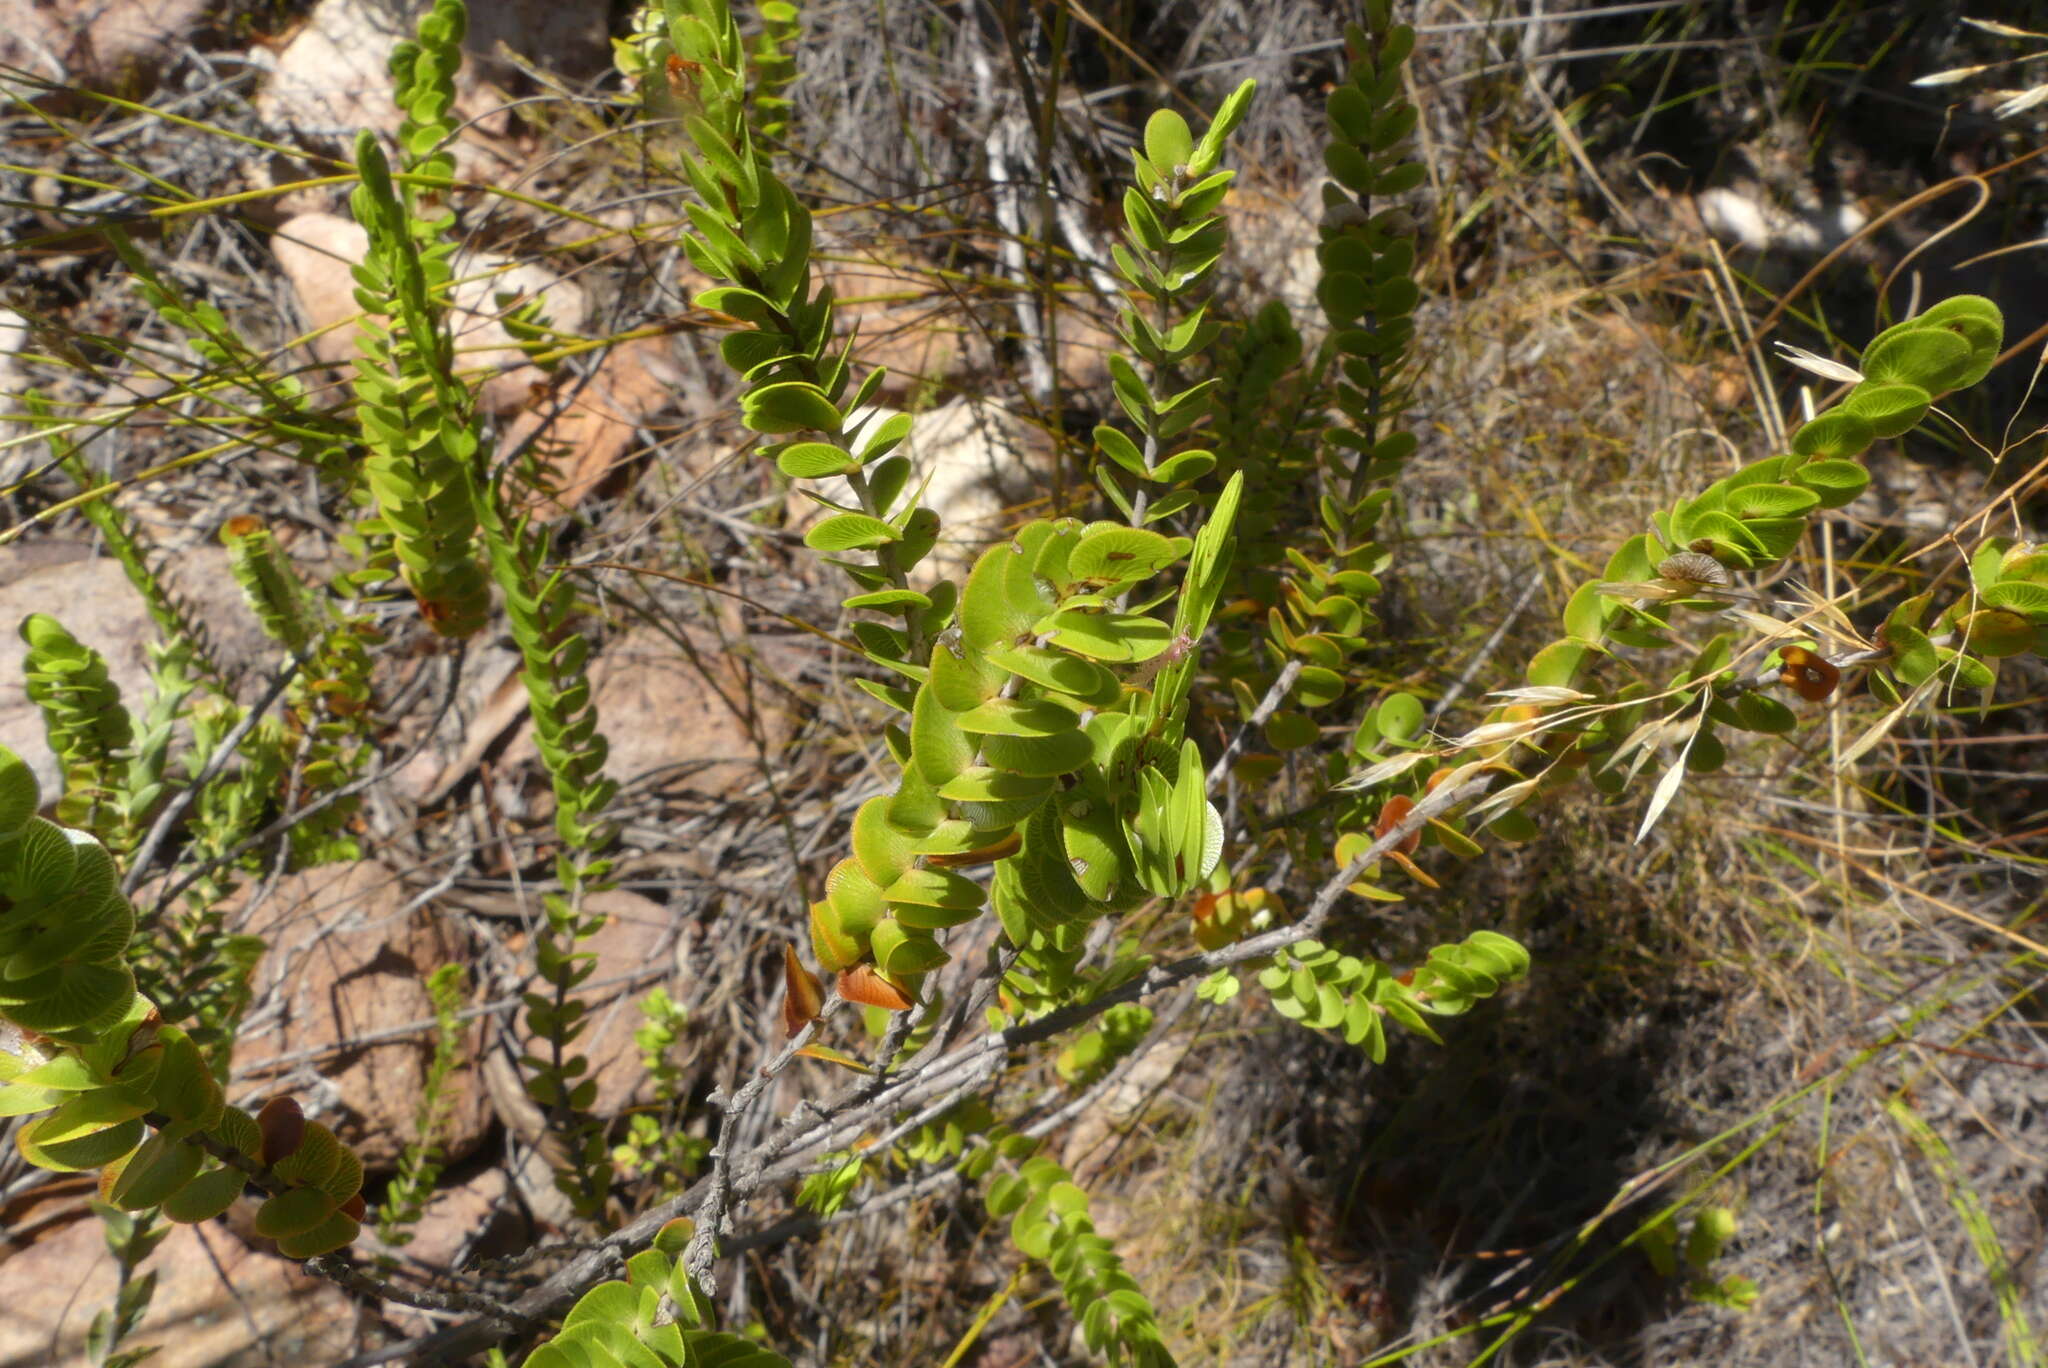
(113,1088)
(1045,725)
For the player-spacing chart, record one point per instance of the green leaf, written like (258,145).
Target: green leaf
(1400,180)
(984,784)
(745,305)
(2019,596)
(1350,113)
(902,950)
(890,599)
(1977,321)
(1110,554)
(206,1196)
(1835,434)
(1168,143)
(1401,716)
(1041,756)
(1018,717)
(1776,537)
(884,437)
(1759,713)
(941,749)
(1889,409)
(1931,359)
(1557,664)
(963,680)
(990,616)
(1098,853)
(936,888)
(1348,166)
(1770,501)
(849,532)
(1185,465)
(1634,561)
(814,460)
(1344,296)
(789,406)
(1056,670)
(1836,482)
(1119,448)
(1228,116)
(1286,730)
(1587,612)
(1125,638)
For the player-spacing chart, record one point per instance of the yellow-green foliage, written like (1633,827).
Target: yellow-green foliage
(108,1085)
(414,414)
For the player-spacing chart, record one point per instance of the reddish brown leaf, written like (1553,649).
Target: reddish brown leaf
(1812,677)
(805,997)
(1397,809)
(865,985)
(283,1126)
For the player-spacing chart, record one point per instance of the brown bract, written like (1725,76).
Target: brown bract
(1813,677)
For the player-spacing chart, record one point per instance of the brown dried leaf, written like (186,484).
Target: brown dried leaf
(865,985)
(805,997)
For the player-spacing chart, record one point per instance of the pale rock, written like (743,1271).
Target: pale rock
(457,1219)
(676,720)
(460,1224)
(217,1302)
(15,461)
(93,43)
(317,252)
(489,699)
(333,77)
(1751,220)
(586,430)
(1272,250)
(346,962)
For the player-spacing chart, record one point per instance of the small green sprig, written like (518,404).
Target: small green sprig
(279,404)
(327,703)
(415,415)
(1328,990)
(1174,234)
(1575,715)
(419,1166)
(774,67)
(1049,1221)
(540,606)
(131,1238)
(89,729)
(175,620)
(1368,295)
(655,1143)
(997,674)
(656,1317)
